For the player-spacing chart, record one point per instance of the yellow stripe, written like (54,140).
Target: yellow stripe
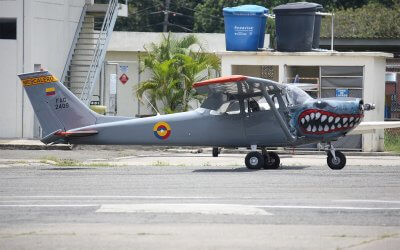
(39,80)
(50,89)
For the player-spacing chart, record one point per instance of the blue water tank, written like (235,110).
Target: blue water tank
(245,27)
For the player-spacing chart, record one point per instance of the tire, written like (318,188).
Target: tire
(274,162)
(215,152)
(254,160)
(340,160)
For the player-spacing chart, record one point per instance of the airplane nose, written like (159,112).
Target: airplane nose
(329,117)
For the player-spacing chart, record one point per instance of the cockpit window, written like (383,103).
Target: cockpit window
(296,96)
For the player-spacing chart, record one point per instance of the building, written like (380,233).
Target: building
(61,36)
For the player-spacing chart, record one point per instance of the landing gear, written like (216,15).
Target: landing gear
(336,160)
(266,160)
(273,161)
(254,160)
(215,152)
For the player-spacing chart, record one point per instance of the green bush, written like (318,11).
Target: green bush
(370,21)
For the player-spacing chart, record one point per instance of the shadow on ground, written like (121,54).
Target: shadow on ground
(212,170)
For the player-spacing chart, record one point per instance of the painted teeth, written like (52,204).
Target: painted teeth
(317,121)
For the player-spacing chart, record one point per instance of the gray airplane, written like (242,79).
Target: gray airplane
(239,111)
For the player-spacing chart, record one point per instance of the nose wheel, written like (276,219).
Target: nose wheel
(266,160)
(336,160)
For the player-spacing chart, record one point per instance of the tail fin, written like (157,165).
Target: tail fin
(54,105)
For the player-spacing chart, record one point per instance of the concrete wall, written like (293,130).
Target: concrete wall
(45,29)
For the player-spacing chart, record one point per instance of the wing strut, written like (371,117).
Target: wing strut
(278,116)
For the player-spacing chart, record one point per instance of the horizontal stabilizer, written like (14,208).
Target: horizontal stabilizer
(60,136)
(82,133)
(371,127)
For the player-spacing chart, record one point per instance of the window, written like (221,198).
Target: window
(8,28)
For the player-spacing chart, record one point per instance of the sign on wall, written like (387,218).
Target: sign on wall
(342,92)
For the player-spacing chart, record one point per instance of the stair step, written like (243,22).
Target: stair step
(80,60)
(95,32)
(81,43)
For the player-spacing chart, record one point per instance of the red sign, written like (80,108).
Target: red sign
(123,78)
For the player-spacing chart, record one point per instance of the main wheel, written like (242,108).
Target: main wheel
(274,161)
(340,161)
(215,152)
(254,160)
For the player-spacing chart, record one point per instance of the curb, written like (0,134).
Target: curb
(34,147)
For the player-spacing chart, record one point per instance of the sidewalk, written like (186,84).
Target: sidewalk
(25,144)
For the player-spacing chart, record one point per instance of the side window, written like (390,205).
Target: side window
(259,103)
(230,108)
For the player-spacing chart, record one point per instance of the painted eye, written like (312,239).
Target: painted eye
(321,104)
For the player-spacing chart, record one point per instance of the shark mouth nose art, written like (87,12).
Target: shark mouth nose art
(315,121)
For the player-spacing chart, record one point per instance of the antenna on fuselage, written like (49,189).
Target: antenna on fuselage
(158,113)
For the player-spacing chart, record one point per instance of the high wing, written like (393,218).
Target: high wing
(235,85)
(371,127)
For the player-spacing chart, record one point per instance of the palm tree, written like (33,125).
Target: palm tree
(174,67)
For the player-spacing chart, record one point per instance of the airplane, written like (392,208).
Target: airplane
(238,111)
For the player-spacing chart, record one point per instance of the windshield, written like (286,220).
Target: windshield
(295,95)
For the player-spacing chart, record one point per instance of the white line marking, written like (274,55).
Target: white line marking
(210,209)
(112,196)
(368,201)
(52,205)
(332,208)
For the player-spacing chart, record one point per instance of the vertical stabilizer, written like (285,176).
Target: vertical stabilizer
(54,105)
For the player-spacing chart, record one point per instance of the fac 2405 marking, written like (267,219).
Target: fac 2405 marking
(61,103)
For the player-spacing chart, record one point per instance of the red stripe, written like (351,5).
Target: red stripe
(50,93)
(224,79)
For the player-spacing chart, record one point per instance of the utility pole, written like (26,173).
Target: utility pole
(166,14)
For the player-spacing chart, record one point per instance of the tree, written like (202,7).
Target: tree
(370,21)
(175,66)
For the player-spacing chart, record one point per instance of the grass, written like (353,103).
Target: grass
(71,162)
(392,140)
(160,163)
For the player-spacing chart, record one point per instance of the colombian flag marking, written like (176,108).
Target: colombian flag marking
(162,130)
(50,91)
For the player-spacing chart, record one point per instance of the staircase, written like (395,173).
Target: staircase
(88,49)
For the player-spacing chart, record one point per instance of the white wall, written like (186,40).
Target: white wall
(10,89)
(45,29)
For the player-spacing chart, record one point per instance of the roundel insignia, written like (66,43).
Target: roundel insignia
(162,130)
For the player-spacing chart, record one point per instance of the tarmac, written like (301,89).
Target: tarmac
(123,197)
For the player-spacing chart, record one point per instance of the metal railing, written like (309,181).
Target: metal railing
(73,44)
(100,51)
